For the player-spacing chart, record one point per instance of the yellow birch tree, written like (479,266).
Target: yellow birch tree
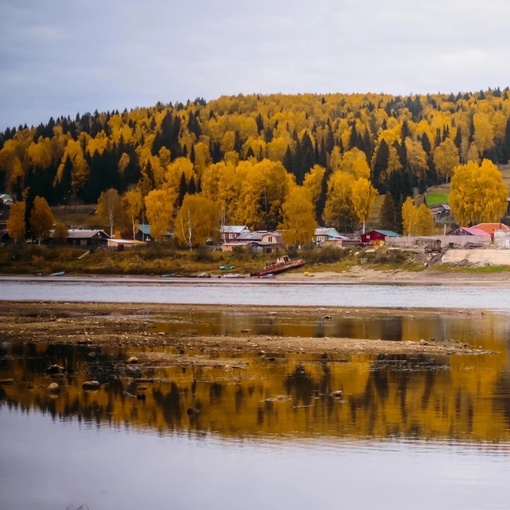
(446,158)
(159,206)
(363,199)
(424,221)
(478,193)
(41,219)
(132,204)
(16,222)
(197,221)
(109,209)
(298,225)
(408,217)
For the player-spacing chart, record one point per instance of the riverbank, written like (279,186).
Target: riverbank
(131,326)
(425,276)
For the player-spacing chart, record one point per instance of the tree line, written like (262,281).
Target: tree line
(260,159)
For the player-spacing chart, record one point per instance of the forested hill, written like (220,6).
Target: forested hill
(398,143)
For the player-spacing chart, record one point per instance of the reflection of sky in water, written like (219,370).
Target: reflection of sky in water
(267,293)
(74,464)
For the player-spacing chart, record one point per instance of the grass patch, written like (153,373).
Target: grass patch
(434,198)
(448,268)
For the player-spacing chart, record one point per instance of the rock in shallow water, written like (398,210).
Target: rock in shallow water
(91,385)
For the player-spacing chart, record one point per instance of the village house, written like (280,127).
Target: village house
(261,241)
(468,231)
(232,232)
(143,233)
(377,237)
(123,244)
(6,199)
(491,228)
(328,235)
(440,210)
(86,237)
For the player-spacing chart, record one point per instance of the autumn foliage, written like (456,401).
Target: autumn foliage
(247,154)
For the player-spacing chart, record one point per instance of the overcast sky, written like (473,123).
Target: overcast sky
(62,57)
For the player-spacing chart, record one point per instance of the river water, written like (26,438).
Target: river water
(254,292)
(410,431)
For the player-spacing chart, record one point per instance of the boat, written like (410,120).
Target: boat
(58,273)
(282,264)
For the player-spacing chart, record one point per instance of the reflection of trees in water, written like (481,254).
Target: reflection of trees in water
(169,403)
(501,400)
(300,386)
(303,388)
(393,377)
(215,392)
(383,396)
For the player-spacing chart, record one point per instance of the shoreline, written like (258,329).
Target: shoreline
(128,325)
(356,275)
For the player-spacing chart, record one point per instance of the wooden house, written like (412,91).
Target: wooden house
(87,237)
(261,241)
(378,236)
(328,235)
(232,232)
(143,233)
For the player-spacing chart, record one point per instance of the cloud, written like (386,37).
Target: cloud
(78,56)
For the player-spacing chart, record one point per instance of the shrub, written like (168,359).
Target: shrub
(203,254)
(323,254)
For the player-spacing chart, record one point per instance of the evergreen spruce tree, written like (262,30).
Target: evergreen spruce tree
(388,214)
(183,189)
(380,165)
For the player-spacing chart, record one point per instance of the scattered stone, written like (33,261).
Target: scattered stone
(278,398)
(327,317)
(54,369)
(92,354)
(423,342)
(53,387)
(132,360)
(91,385)
(324,355)
(192,411)
(6,381)
(337,394)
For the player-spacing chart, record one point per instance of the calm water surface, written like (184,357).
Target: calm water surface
(410,432)
(249,292)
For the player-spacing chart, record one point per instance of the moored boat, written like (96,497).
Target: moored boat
(282,264)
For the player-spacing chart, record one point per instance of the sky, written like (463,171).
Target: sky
(63,57)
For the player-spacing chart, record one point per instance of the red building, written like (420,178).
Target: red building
(378,236)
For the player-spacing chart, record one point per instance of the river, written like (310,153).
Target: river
(410,432)
(254,292)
